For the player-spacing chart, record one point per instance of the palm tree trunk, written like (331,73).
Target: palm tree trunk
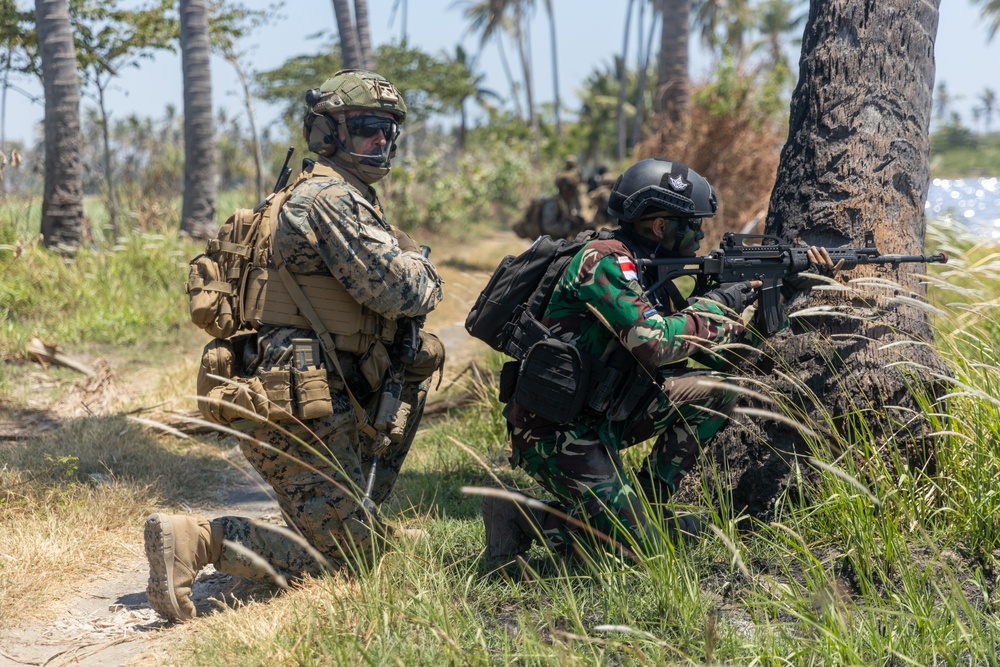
(364,34)
(673,89)
(555,67)
(108,176)
(640,95)
(198,213)
(62,201)
(520,34)
(857,159)
(350,50)
(623,76)
(510,79)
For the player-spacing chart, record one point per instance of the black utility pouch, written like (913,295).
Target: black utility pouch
(508,380)
(553,381)
(633,395)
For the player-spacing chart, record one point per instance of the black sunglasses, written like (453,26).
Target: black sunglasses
(366,127)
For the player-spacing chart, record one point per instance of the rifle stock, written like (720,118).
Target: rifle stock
(743,257)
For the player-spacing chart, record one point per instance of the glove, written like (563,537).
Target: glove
(406,244)
(734,296)
(429,358)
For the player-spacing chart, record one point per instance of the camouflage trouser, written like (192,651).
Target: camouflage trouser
(580,463)
(319,475)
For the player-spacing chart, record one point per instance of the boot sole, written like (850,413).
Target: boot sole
(159,544)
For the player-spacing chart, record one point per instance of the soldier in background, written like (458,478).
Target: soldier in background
(331,229)
(558,216)
(599,197)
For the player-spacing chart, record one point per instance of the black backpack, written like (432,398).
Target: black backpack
(506,314)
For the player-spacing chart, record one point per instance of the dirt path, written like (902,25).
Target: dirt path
(108,621)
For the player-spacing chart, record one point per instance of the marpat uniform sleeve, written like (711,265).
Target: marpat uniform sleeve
(362,253)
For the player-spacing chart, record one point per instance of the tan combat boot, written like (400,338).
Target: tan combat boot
(177,548)
(511,528)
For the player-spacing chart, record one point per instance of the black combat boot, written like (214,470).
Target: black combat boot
(511,527)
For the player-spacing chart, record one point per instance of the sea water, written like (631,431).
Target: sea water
(974,202)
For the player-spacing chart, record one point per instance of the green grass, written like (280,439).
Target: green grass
(877,567)
(874,567)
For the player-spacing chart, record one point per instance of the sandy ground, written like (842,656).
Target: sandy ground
(108,621)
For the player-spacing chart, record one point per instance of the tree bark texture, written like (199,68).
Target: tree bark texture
(364,34)
(350,50)
(62,203)
(673,86)
(198,214)
(856,159)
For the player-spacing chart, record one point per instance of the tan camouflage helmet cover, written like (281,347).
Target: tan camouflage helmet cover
(328,106)
(355,89)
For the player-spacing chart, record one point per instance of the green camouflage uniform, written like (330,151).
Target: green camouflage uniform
(579,462)
(323,230)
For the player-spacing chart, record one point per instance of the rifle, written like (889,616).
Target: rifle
(761,257)
(282,181)
(390,403)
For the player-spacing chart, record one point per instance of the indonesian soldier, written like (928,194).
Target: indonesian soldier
(637,351)
(332,238)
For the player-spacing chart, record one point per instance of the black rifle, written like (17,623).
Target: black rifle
(282,181)
(405,348)
(765,258)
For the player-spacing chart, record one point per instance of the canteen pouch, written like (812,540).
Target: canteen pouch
(312,393)
(553,381)
(224,359)
(241,398)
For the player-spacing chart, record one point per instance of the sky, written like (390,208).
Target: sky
(589,36)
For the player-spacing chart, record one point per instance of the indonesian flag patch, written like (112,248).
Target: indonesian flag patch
(628,268)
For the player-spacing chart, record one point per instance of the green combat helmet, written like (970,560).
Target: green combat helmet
(327,108)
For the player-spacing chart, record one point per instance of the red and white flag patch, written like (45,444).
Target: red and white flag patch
(628,268)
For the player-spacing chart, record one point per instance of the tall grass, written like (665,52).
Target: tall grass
(876,564)
(881,565)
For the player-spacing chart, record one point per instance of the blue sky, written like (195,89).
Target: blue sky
(589,36)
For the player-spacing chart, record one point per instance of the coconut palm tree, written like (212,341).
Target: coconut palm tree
(364,34)
(401,6)
(673,87)
(350,48)
(555,66)
(643,67)
(842,175)
(492,17)
(621,77)
(62,201)
(991,14)
(198,212)
(988,107)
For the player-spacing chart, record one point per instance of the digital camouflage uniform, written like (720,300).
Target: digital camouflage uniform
(323,230)
(580,462)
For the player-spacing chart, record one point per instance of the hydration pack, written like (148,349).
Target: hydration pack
(506,314)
